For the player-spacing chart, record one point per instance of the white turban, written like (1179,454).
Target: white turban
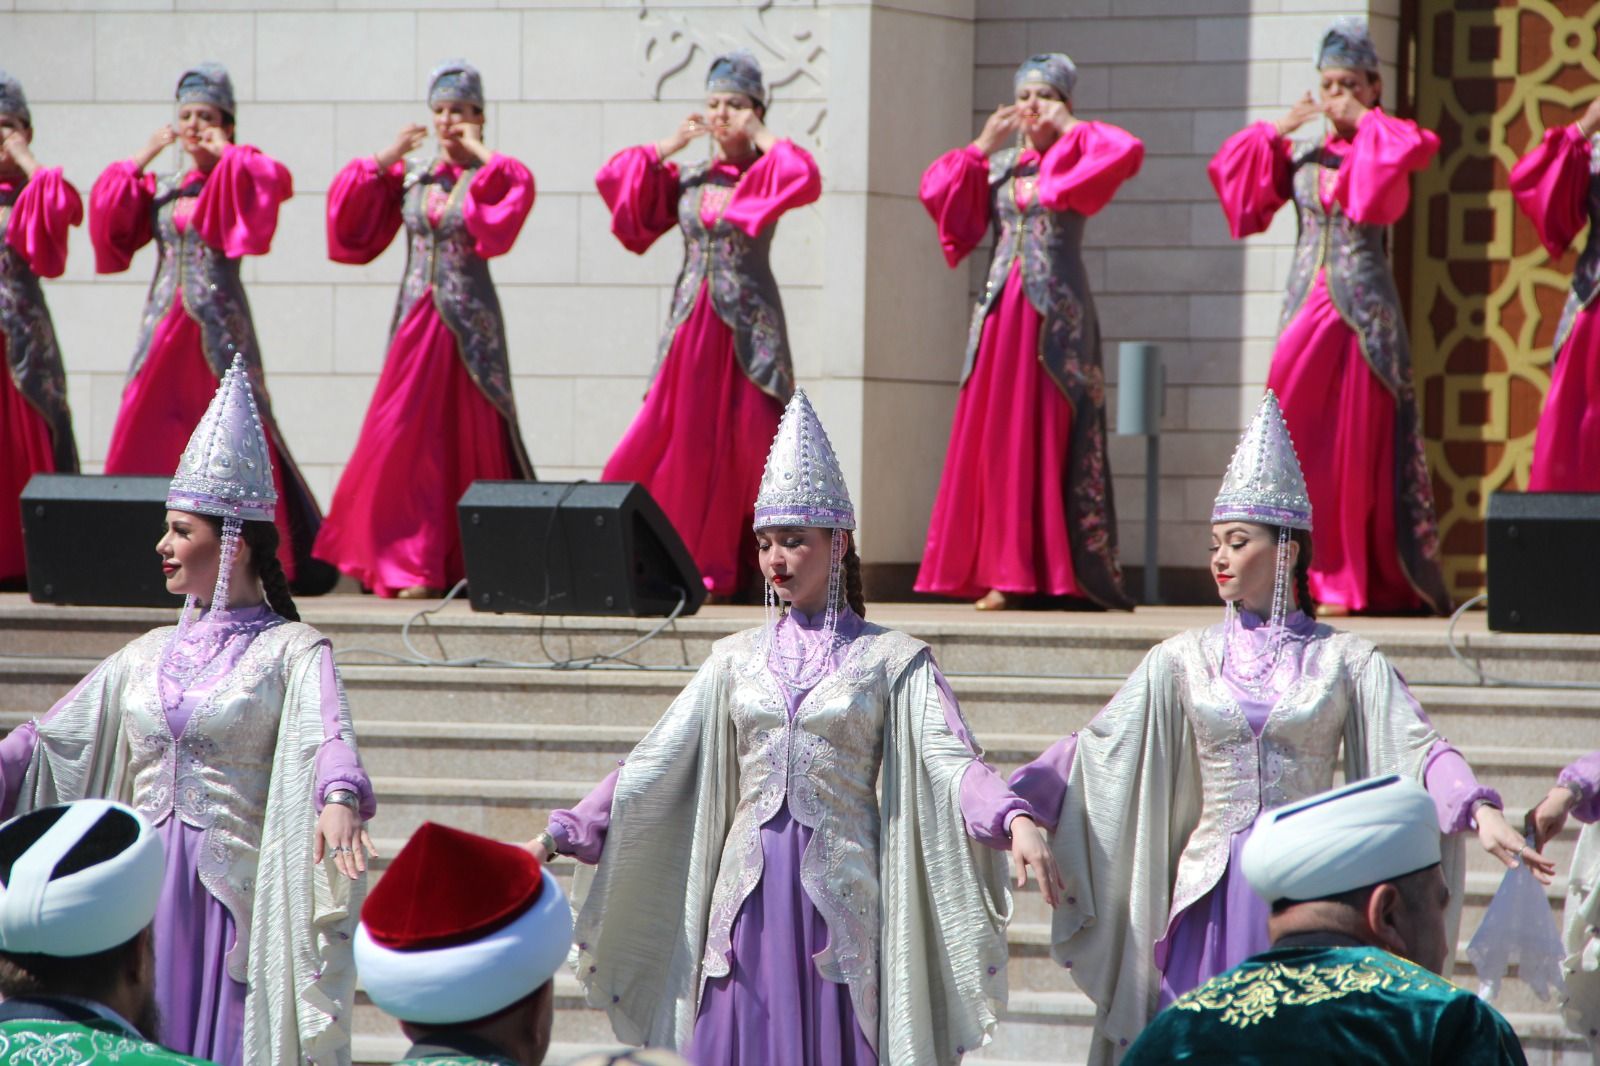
(92,908)
(1363,834)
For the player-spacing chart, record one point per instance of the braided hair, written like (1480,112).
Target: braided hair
(1302,573)
(852,578)
(262,539)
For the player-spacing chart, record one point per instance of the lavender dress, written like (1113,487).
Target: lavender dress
(202,1006)
(773,1008)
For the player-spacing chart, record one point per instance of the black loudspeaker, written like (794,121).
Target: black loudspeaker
(553,547)
(1543,573)
(91,540)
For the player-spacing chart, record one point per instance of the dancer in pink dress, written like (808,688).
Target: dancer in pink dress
(442,415)
(1557,185)
(1342,368)
(37,207)
(196,317)
(1024,506)
(724,371)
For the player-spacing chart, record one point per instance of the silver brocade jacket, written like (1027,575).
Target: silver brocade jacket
(1048,245)
(738,269)
(1361,285)
(31,350)
(444,256)
(1586,275)
(915,909)
(1170,770)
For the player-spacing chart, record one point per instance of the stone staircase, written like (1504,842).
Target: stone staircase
(491,748)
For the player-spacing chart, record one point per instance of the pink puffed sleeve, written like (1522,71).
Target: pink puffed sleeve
(364,210)
(642,194)
(1551,185)
(337,765)
(44,210)
(781,180)
(955,192)
(497,203)
(119,216)
(1373,183)
(581,831)
(1251,175)
(237,210)
(1583,778)
(1082,171)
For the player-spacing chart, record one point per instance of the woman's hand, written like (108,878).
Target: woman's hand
(1508,845)
(539,850)
(1550,817)
(14,149)
(341,834)
(469,135)
(1589,124)
(747,124)
(158,142)
(210,143)
(1029,850)
(408,140)
(998,128)
(1345,112)
(1304,110)
(695,125)
(1056,115)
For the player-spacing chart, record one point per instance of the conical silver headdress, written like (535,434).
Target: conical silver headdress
(1264,483)
(226,469)
(802,484)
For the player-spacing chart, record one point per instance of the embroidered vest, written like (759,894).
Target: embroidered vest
(744,293)
(31,350)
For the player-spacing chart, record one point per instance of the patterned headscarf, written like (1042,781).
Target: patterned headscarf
(1055,69)
(1347,44)
(457,80)
(737,72)
(207,83)
(12,99)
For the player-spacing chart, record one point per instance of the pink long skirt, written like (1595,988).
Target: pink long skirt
(1342,420)
(698,445)
(1566,450)
(164,403)
(25,450)
(1000,519)
(429,433)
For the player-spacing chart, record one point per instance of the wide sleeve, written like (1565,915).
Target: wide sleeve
(1583,778)
(1252,177)
(301,964)
(497,203)
(781,180)
(987,803)
(580,831)
(1132,800)
(237,209)
(945,898)
(1551,186)
(641,193)
(338,766)
(1580,934)
(119,216)
(80,751)
(1082,171)
(1373,182)
(46,208)
(955,193)
(642,912)
(364,210)
(16,750)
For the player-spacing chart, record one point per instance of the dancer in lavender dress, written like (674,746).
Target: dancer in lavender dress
(1152,802)
(753,903)
(1576,794)
(229,733)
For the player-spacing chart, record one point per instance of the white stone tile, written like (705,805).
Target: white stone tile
(489,40)
(1168,179)
(320,414)
(589,330)
(300,136)
(1116,40)
(1139,225)
(545,409)
(602,260)
(294,324)
(90,5)
(1221,317)
(797,247)
(1221,407)
(1064,10)
(105,399)
(362,314)
(363,129)
(356,55)
(546,251)
(96,323)
(607,66)
(1140,316)
(999,41)
(903,448)
(560,143)
(602,409)
(139,57)
(51,54)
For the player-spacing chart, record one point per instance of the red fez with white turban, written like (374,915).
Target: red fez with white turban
(459,928)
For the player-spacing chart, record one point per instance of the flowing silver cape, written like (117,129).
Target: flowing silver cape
(1581,921)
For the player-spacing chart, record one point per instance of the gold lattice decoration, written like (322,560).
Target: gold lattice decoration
(1485,297)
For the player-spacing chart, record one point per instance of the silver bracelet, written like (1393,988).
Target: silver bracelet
(344,798)
(547,840)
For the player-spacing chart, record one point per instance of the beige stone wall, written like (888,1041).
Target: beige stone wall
(877,88)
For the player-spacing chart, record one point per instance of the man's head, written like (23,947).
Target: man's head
(79,884)
(1362,861)
(466,933)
